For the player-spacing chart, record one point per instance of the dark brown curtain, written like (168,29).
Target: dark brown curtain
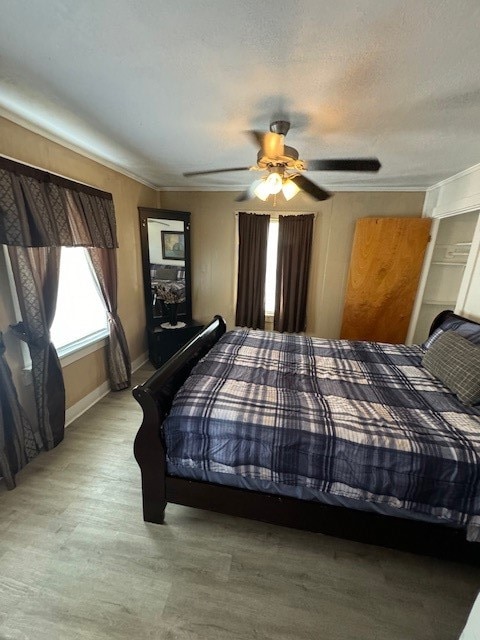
(252,265)
(293,266)
(36,273)
(18,443)
(104,263)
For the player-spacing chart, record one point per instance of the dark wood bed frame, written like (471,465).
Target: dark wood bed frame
(155,397)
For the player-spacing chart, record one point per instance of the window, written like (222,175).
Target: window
(295,250)
(80,317)
(271,275)
(80,323)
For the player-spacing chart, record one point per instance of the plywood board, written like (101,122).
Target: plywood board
(385,268)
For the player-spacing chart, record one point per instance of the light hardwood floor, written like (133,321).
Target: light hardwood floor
(78,562)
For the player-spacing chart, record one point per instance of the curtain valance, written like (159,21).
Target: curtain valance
(40,209)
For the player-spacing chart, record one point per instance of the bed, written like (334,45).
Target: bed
(353,439)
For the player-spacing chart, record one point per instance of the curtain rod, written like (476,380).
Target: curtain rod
(279,213)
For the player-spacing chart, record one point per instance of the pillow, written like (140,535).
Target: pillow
(469,330)
(455,361)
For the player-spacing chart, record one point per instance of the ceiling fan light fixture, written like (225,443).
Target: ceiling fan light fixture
(289,189)
(262,190)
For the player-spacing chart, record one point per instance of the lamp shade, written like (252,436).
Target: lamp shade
(289,189)
(274,182)
(262,190)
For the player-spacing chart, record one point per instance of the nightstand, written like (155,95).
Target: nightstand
(164,343)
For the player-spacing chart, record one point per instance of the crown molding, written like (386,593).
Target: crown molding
(474,168)
(45,133)
(333,188)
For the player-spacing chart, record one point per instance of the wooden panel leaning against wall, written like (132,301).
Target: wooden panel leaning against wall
(385,266)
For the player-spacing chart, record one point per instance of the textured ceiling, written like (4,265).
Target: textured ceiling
(161,87)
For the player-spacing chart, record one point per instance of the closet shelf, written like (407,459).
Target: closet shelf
(441,303)
(455,244)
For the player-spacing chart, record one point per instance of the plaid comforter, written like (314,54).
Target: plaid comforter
(360,420)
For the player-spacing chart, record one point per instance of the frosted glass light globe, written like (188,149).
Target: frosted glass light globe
(274,182)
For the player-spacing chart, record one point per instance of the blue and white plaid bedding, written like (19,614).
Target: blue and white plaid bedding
(360,420)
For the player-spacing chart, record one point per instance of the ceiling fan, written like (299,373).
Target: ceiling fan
(284,167)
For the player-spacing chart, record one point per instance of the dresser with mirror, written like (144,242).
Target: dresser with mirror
(165,241)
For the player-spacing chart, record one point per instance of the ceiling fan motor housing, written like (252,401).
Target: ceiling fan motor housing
(280,126)
(288,159)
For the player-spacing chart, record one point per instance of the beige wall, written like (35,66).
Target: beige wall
(214,250)
(18,143)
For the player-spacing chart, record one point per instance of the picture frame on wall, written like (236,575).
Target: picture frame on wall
(173,245)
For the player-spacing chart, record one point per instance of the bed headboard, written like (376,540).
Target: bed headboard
(443,315)
(166,272)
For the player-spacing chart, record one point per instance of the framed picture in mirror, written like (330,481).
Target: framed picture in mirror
(173,245)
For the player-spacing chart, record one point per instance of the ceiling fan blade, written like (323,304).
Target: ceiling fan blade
(310,187)
(270,143)
(257,137)
(249,193)
(245,195)
(188,174)
(347,164)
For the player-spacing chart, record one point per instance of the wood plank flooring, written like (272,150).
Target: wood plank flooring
(78,562)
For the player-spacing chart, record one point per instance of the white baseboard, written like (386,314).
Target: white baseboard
(77,409)
(137,363)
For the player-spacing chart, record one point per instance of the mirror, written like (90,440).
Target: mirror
(165,237)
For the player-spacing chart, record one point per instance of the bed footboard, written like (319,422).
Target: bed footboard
(155,396)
